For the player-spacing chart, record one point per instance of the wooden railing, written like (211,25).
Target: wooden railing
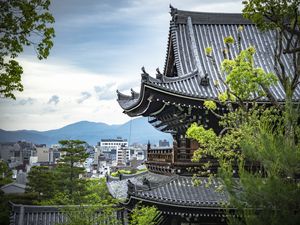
(184,154)
(165,155)
(160,155)
(53,215)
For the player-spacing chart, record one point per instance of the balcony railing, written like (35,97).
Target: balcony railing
(184,154)
(160,155)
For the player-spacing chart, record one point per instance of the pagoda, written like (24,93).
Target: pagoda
(174,99)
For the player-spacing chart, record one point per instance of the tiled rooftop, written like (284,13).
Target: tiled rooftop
(190,34)
(175,190)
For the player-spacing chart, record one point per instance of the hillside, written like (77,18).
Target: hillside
(91,132)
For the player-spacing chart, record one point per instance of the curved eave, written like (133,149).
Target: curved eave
(172,204)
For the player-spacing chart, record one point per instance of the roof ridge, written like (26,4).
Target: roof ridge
(173,79)
(180,17)
(173,177)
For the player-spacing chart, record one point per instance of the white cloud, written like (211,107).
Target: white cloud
(53,100)
(45,81)
(84,96)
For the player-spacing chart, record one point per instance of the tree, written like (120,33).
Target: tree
(143,215)
(86,215)
(270,195)
(5,173)
(70,167)
(281,16)
(22,23)
(93,205)
(42,180)
(259,144)
(62,184)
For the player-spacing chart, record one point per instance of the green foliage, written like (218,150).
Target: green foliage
(62,185)
(282,17)
(243,78)
(208,51)
(5,174)
(41,180)
(86,215)
(97,206)
(117,173)
(225,96)
(207,140)
(97,192)
(210,105)
(132,171)
(70,165)
(22,23)
(26,199)
(88,200)
(270,14)
(143,215)
(272,194)
(260,144)
(229,40)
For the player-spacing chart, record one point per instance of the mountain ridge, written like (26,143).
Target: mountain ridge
(91,132)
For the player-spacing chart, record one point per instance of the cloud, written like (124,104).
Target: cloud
(54,99)
(106,92)
(26,101)
(84,96)
(48,110)
(56,77)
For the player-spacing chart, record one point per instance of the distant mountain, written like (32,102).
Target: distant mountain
(91,132)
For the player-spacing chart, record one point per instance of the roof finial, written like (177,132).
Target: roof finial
(158,72)
(204,80)
(145,75)
(133,94)
(159,75)
(119,93)
(173,11)
(144,71)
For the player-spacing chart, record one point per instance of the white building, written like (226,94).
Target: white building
(123,155)
(43,154)
(111,148)
(110,144)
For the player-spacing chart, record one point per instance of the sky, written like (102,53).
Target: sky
(100,46)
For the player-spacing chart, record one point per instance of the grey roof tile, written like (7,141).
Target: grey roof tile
(175,190)
(209,29)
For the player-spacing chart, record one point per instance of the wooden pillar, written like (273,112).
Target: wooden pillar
(175,150)
(21,215)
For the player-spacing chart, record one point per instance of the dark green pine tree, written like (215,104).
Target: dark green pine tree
(42,181)
(5,173)
(70,168)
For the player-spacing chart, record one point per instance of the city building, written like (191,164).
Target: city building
(17,153)
(123,156)
(112,143)
(43,153)
(111,148)
(173,100)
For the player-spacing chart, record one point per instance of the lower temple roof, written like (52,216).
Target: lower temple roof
(169,190)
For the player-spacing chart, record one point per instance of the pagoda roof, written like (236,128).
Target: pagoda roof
(188,74)
(171,190)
